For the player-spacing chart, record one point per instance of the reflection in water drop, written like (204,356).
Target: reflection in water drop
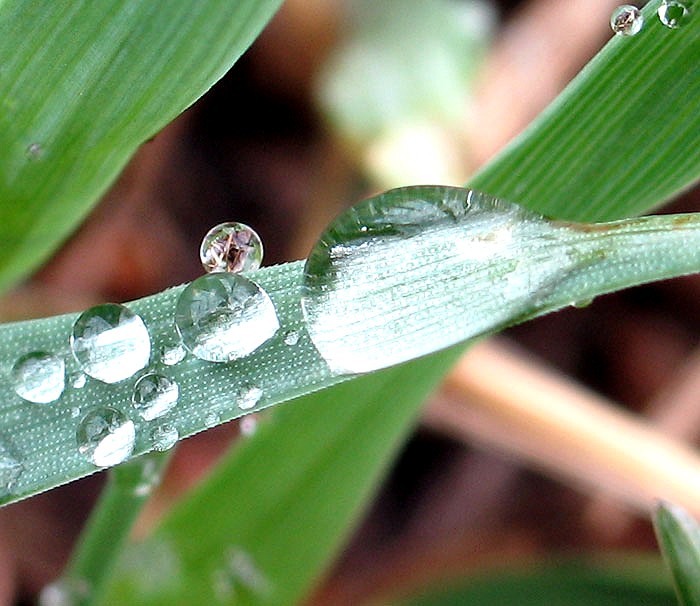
(674,13)
(231,247)
(39,377)
(626,20)
(11,466)
(77,379)
(174,354)
(154,395)
(222,317)
(248,396)
(105,436)
(164,437)
(110,342)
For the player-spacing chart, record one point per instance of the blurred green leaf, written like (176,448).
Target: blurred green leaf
(679,537)
(82,85)
(625,581)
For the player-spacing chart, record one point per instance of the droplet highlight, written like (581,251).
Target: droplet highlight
(106,437)
(674,14)
(39,377)
(154,395)
(222,317)
(164,437)
(626,20)
(231,247)
(110,342)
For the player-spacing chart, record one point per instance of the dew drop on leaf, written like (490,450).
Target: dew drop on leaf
(222,317)
(172,354)
(231,247)
(674,14)
(39,377)
(626,20)
(154,395)
(248,396)
(106,436)
(11,466)
(77,379)
(164,437)
(110,342)
(212,419)
(291,338)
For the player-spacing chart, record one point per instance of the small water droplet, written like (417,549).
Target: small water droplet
(626,20)
(212,419)
(64,592)
(164,437)
(39,377)
(248,396)
(674,14)
(231,247)
(581,303)
(172,354)
(34,151)
(110,342)
(154,395)
(11,467)
(106,436)
(222,317)
(248,425)
(75,412)
(291,338)
(77,379)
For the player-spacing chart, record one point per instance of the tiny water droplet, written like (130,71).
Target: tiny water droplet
(39,377)
(34,151)
(212,419)
(77,379)
(291,338)
(110,342)
(11,467)
(75,412)
(674,13)
(64,592)
(106,436)
(248,396)
(173,354)
(626,20)
(154,395)
(231,247)
(221,317)
(248,425)
(580,304)
(164,437)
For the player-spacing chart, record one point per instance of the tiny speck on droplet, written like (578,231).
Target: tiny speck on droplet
(626,20)
(231,247)
(674,14)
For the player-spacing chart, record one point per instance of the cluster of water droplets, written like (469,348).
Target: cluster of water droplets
(628,20)
(220,317)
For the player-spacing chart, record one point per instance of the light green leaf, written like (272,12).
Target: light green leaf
(679,537)
(82,85)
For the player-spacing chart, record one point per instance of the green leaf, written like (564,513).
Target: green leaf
(679,537)
(82,85)
(625,581)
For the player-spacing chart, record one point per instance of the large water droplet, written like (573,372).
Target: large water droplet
(626,20)
(674,14)
(164,437)
(222,317)
(110,342)
(231,247)
(11,466)
(39,377)
(154,395)
(106,436)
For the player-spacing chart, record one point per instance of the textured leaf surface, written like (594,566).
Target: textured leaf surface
(82,85)
(679,537)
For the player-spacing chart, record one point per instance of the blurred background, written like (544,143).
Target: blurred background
(346,98)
